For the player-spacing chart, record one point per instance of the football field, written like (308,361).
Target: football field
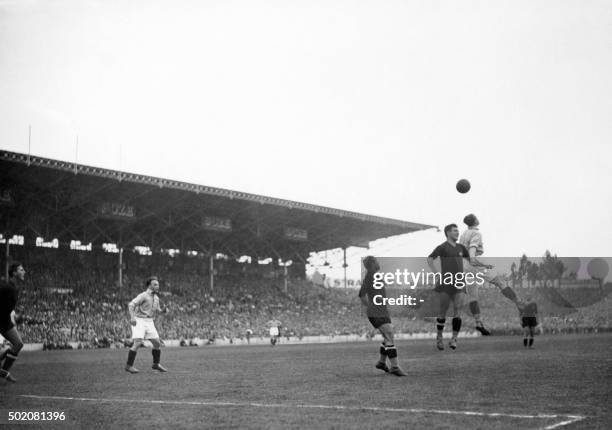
(488,383)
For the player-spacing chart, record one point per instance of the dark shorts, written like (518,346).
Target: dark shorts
(448,289)
(529,321)
(378,321)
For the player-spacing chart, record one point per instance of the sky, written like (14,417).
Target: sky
(375,107)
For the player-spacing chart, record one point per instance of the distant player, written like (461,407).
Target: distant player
(142,311)
(529,321)
(9,292)
(451,256)
(472,240)
(378,315)
(274,331)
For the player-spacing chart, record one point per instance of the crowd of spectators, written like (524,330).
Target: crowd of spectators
(76,302)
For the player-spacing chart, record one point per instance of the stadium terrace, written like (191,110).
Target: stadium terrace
(53,203)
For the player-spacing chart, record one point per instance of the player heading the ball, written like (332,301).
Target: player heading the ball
(472,240)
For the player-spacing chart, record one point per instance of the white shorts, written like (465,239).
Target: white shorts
(144,329)
(488,275)
(273,331)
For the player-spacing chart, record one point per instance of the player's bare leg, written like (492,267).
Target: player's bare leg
(156,351)
(457,302)
(391,352)
(440,323)
(472,292)
(441,319)
(382,361)
(479,325)
(5,349)
(531,333)
(525,336)
(129,366)
(506,291)
(10,356)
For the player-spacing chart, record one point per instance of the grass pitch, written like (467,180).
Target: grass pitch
(488,383)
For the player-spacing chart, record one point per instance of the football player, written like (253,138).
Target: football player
(451,256)
(274,326)
(142,311)
(378,315)
(9,292)
(528,311)
(472,240)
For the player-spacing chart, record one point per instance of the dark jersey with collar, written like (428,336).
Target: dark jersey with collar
(368,290)
(451,257)
(8,298)
(529,310)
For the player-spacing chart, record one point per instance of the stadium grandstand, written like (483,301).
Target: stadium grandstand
(89,235)
(228,262)
(64,203)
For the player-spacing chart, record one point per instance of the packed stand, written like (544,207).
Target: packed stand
(72,300)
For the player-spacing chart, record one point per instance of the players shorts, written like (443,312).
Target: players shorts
(529,322)
(378,321)
(448,289)
(274,331)
(487,275)
(144,329)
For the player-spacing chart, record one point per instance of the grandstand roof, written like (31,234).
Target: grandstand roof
(69,201)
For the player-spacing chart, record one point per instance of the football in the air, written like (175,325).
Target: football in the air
(463,186)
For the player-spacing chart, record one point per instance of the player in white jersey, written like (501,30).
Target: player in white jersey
(142,311)
(274,326)
(472,240)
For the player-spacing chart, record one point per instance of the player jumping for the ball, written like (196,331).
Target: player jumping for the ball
(142,310)
(9,292)
(378,315)
(451,256)
(472,240)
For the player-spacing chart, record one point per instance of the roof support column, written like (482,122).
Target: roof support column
(120,268)
(285,274)
(7,255)
(211,267)
(344,265)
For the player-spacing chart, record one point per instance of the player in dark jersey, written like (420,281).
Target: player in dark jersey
(378,315)
(451,255)
(529,321)
(8,302)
